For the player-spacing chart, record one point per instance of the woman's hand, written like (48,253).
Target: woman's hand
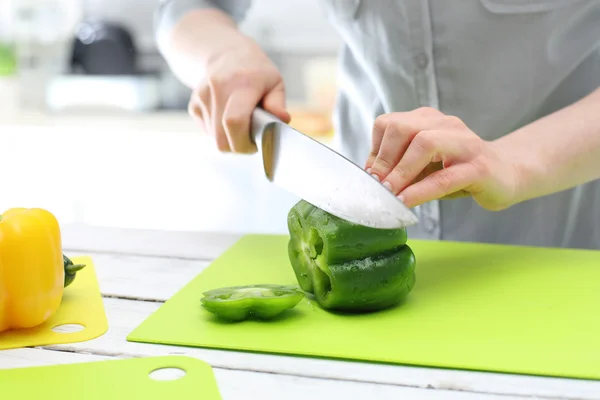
(229,74)
(424,155)
(234,83)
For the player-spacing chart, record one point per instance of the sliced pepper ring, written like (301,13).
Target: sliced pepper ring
(262,301)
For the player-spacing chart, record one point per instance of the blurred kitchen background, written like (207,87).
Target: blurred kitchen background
(94,127)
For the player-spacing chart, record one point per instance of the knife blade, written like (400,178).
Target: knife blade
(316,173)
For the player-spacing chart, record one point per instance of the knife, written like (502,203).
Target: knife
(316,173)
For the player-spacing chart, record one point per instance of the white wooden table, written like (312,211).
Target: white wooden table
(138,270)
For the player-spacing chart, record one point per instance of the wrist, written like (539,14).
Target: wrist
(196,39)
(523,165)
(556,152)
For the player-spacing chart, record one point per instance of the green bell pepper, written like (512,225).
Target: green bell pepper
(263,301)
(346,266)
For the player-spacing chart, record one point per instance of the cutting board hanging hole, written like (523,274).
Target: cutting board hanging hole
(68,328)
(167,374)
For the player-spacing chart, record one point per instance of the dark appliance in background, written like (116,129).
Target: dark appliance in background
(105,72)
(104,48)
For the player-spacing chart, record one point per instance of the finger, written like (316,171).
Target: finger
(236,119)
(223,143)
(428,112)
(406,125)
(426,147)
(195,112)
(202,105)
(202,101)
(274,102)
(201,115)
(216,101)
(428,170)
(450,182)
(379,127)
(396,140)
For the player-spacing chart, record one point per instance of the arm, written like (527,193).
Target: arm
(558,151)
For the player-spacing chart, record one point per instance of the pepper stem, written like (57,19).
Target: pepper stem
(72,268)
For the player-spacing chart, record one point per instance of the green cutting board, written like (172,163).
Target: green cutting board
(475,306)
(123,379)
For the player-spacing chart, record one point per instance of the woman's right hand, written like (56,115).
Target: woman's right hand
(234,82)
(229,76)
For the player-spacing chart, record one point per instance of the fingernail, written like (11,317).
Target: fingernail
(375,176)
(401,197)
(369,170)
(387,185)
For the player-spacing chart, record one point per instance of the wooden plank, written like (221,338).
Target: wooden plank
(125,315)
(33,357)
(142,277)
(192,245)
(243,384)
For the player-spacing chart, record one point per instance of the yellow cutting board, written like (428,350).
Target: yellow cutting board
(81,305)
(123,379)
(475,306)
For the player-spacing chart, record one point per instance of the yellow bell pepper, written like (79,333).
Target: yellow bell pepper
(32,272)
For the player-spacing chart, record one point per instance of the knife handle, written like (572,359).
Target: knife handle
(262,134)
(261,122)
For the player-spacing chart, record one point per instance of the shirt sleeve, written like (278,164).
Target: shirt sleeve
(169,12)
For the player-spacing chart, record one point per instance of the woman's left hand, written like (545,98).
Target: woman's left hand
(424,155)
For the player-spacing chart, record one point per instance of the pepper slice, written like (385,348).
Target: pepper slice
(263,301)
(348,266)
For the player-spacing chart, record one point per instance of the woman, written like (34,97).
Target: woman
(491,103)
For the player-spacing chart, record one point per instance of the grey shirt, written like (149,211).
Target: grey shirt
(496,64)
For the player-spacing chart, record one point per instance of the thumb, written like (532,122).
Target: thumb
(274,102)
